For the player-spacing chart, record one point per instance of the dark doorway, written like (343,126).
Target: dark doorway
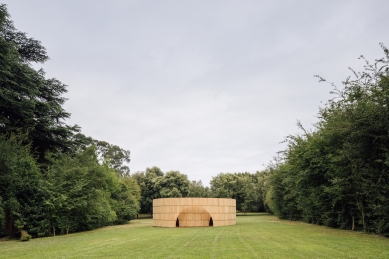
(211,222)
(177,223)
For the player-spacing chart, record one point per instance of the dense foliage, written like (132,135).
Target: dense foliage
(156,184)
(247,189)
(83,194)
(338,174)
(29,101)
(53,179)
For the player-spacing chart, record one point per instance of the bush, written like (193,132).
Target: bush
(24,236)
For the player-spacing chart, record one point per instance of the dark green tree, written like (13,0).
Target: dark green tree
(338,174)
(243,187)
(22,193)
(84,194)
(28,101)
(197,189)
(113,155)
(172,184)
(146,181)
(155,184)
(125,200)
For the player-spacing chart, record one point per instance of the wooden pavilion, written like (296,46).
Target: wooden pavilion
(193,212)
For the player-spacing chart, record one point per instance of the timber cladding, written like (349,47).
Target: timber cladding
(193,212)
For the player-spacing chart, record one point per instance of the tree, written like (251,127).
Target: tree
(155,184)
(243,187)
(338,174)
(172,184)
(113,155)
(262,182)
(21,189)
(125,200)
(84,194)
(146,181)
(196,189)
(28,101)
(52,178)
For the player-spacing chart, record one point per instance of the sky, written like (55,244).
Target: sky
(202,87)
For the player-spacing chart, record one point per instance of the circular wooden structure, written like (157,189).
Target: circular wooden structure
(193,212)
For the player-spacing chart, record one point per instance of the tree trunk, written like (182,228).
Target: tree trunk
(353,224)
(361,210)
(363,220)
(67,226)
(10,230)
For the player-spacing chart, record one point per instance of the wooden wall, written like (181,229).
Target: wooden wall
(193,212)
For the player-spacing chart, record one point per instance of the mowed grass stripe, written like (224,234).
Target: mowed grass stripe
(301,240)
(255,236)
(285,239)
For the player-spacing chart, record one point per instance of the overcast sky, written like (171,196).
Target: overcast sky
(202,87)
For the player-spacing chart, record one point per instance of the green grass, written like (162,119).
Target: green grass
(254,236)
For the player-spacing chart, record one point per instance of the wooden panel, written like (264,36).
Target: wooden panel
(193,212)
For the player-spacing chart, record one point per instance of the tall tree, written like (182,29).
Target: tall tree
(84,194)
(197,189)
(112,155)
(156,184)
(146,181)
(172,184)
(338,174)
(28,101)
(243,187)
(22,193)
(76,191)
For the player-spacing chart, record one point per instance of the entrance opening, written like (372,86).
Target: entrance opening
(177,223)
(211,222)
(194,216)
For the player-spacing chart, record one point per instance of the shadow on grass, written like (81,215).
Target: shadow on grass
(244,214)
(144,216)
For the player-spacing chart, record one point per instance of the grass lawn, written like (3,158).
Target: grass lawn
(254,236)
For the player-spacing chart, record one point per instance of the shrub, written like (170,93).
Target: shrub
(24,236)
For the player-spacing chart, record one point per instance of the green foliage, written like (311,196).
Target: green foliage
(112,155)
(28,101)
(84,194)
(75,193)
(247,189)
(146,181)
(338,174)
(172,184)
(196,189)
(24,236)
(155,184)
(115,156)
(21,191)
(72,182)
(125,200)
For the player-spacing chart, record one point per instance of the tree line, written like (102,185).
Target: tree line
(337,174)
(247,189)
(53,179)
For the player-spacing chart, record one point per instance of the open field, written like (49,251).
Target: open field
(254,236)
